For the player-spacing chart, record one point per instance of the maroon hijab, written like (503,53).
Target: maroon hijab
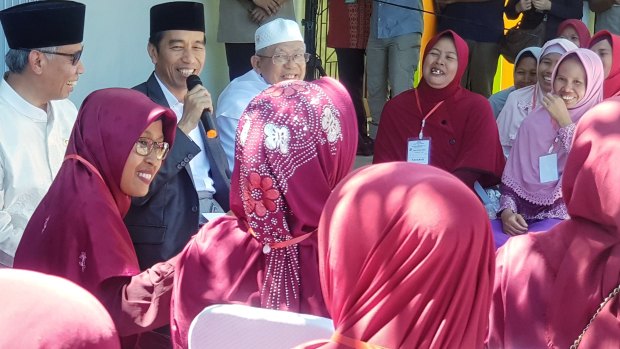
(611,85)
(406,259)
(77,231)
(570,269)
(295,142)
(462,129)
(582,30)
(43,311)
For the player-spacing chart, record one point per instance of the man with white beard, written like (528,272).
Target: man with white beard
(280,54)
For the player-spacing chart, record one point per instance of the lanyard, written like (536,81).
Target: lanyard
(85,162)
(417,99)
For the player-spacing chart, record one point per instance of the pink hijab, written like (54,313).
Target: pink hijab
(538,132)
(77,231)
(582,30)
(295,142)
(573,267)
(44,311)
(524,100)
(611,86)
(406,258)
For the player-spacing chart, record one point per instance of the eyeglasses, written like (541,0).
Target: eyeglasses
(281,59)
(144,147)
(75,57)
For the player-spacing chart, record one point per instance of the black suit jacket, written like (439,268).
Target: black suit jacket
(162,222)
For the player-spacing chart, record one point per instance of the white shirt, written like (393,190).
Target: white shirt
(231,104)
(199,164)
(32,148)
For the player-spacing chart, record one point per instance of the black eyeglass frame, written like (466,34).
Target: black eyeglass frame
(75,56)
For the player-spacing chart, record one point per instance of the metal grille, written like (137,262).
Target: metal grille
(316,24)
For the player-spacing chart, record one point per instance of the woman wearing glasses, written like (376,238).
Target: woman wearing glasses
(77,232)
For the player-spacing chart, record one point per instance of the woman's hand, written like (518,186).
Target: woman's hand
(557,109)
(513,223)
(523,5)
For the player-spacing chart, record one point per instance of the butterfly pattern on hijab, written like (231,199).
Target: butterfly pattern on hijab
(279,133)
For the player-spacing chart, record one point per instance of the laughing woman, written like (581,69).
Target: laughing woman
(440,123)
(77,232)
(531,184)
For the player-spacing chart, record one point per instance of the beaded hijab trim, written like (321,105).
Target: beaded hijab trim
(280,131)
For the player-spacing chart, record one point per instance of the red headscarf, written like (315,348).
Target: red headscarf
(573,267)
(611,85)
(77,231)
(406,258)
(465,140)
(295,142)
(582,30)
(43,311)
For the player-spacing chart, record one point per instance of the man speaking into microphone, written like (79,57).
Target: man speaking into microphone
(193,183)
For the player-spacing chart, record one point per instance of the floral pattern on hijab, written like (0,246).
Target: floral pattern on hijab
(289,125)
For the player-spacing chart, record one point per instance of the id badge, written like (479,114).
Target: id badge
(548,168)
(419,150)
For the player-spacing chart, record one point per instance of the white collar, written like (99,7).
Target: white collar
(20,104)
(170,98)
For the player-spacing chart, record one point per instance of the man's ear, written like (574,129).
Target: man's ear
(153,53)
(255,61)
(36,61)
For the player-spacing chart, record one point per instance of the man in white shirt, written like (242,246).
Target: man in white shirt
(36,118)
(194,181)
(280,55)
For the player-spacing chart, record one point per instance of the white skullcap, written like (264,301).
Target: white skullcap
(277,31)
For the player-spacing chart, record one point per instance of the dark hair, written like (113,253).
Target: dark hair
(525,55)
(156,38)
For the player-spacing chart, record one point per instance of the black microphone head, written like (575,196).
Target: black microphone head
(192,81)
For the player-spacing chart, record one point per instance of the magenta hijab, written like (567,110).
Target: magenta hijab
(44,311)
(570,269)
(295,141)
(429,96)
(287,206)
(77,231)
(611,86)
(538,133)
(582,30)
(407,260)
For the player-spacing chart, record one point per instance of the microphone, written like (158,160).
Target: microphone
(206,118)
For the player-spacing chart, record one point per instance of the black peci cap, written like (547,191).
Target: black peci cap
(177,15)
(43,24)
